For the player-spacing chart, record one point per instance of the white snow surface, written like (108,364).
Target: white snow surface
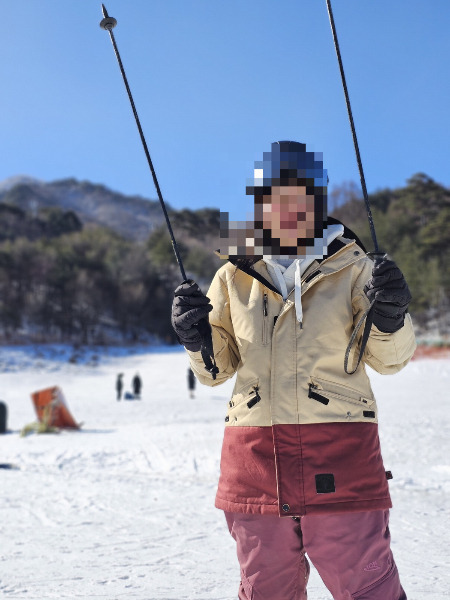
(124,508)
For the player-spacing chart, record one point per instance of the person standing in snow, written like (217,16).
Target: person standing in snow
(119,386)
(301,466)
(191,382)
(137,386)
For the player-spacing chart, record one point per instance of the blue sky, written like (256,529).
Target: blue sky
(214,84)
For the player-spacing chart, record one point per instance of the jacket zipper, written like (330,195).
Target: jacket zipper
(313,394)
(312,275)
(265,315)
(251,403)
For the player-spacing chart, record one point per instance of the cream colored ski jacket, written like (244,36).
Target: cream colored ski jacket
(301,436)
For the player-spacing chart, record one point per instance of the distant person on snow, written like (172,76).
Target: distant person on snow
(191,382)
(301,466)
(119,386)
(137,386)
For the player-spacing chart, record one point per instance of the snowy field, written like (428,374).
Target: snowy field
(125,507)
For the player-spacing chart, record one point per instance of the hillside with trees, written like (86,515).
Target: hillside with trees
(66,276)
(413,225)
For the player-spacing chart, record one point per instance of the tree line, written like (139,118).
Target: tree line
(62,281)
(413,225)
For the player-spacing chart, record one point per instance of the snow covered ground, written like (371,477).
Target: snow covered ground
(125,507)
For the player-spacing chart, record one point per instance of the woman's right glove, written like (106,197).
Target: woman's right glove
(189,306)
(390,291)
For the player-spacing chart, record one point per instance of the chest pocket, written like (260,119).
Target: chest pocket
(252,321)
(340,402)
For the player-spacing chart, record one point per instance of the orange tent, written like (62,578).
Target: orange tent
(51,408)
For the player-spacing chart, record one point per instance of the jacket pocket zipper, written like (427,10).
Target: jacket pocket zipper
(265,316)
(251,403)
(315,396)
(334,396)
(345,396)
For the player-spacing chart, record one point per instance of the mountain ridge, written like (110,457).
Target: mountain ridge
(133,217)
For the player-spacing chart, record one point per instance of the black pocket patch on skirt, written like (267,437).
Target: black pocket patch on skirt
(325,483)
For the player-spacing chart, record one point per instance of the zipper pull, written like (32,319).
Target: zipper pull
(265,305)
(251,403)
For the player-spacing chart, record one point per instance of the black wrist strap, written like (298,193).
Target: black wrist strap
(207,350)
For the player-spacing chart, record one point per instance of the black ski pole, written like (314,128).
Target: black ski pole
(108,23)
(204,328)
(376,254)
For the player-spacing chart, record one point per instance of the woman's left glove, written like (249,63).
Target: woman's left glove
(390,291)
(190,305)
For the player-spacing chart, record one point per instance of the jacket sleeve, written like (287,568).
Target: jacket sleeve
(386,353)
(226,352)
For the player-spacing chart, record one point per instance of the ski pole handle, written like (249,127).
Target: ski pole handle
(377,256)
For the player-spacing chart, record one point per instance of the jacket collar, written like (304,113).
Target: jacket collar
(338,257)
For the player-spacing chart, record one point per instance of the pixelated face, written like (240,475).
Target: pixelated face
(289,187)
(287,224)
(289,213)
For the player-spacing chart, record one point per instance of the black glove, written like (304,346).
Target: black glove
(391,294)
(189,306)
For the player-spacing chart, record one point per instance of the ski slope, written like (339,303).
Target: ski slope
(125,507)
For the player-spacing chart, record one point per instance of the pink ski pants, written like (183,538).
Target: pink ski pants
(351,552)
